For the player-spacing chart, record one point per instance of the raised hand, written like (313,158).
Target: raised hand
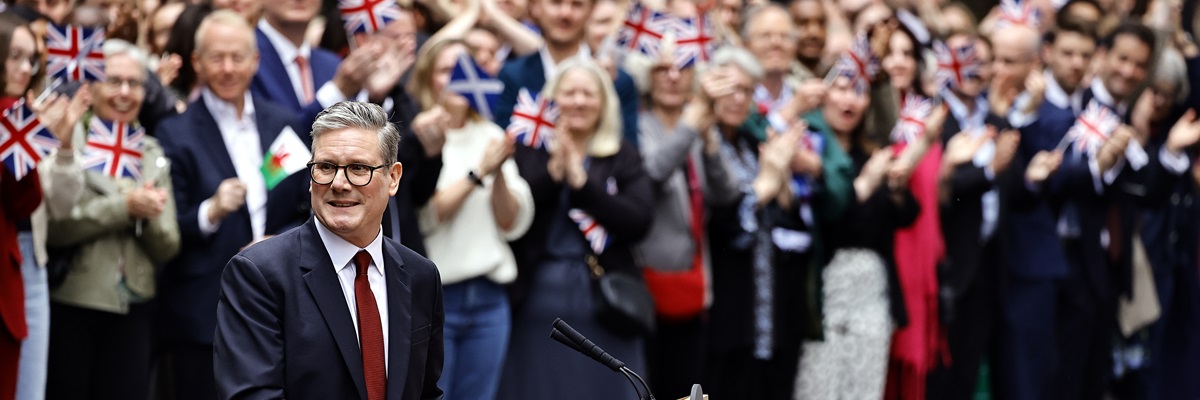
(145,202)
(1042,165)
(353,72)
(1035,85)
(230,196)
(1185,133)
(430,128)
(1114,148)
(59,113)
(962,147)
(497,151)
(1006,149)
(168,68)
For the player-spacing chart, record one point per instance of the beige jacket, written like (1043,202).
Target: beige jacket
(113,266)
(62,182)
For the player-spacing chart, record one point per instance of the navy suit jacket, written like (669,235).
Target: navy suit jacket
(271,82)
(1037,250)
(199,162)
(284,330)
(529,73)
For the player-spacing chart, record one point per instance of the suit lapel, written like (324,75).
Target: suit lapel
(399,298)
(322,282)
(211,140)
(273,74)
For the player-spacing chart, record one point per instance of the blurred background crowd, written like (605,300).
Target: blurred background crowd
(825,199)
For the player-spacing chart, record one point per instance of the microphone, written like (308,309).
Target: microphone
(568,336)
(585,346)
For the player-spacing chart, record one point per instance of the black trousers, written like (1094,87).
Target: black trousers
(970,337)
(738,375)
(1086,330)
(98,354)
(675,356)
(190,368)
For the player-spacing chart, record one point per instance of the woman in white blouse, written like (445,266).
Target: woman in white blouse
(480,204)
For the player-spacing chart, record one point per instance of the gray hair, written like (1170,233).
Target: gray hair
(358,115)
(1173,71)
(225,17)
(754,11)
(738,57)
(118,47)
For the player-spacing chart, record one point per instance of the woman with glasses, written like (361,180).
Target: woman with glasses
(123,226)
(588,175)
(480,204)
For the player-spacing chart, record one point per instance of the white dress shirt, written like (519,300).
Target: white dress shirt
(243,142)
(327,94)
(550,67)
(341,253)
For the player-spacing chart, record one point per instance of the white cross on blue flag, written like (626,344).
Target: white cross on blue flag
(480,88)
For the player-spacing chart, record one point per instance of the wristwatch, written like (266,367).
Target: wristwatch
(474,178)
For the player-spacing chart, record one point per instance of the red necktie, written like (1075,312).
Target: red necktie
(306,79)
(370,330)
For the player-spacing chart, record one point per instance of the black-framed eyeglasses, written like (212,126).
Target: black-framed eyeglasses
(323,173)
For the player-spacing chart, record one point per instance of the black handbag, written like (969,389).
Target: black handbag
(58,264)
(626,305)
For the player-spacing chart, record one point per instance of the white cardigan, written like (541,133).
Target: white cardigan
(468,244)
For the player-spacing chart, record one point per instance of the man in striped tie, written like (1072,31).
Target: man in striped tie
(332,309)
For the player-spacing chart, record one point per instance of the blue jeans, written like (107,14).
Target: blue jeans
(31,372)
(476,337)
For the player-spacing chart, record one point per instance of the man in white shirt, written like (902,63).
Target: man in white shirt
(216,150)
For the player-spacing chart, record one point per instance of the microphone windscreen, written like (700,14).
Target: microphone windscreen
(559,337)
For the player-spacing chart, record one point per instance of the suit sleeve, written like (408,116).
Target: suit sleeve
(248,356)
(187,202)
(508,97)
(628,94)
(435,359)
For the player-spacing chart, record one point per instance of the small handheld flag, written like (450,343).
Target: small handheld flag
(533,120)
(857,63)
(75,53)
(471,81)
(1092,128)
(367,16)
(643,29)
(23,140)
(911,124)
(1018,12)
(286,156)
(693,41)
(955,66)
(595,233)
(114,149)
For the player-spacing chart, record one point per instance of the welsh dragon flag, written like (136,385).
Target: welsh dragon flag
(286,156)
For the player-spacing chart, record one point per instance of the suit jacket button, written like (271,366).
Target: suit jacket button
(1175,199)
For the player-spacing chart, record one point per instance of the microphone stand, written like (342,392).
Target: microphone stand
(569,337)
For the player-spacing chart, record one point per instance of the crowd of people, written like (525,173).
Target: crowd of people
(825,199)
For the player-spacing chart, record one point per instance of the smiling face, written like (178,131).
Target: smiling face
(1068,58)
(22,59)
(226,60)
(563,22)
(354,213)
(580,100)
(772,40)
(120,96)
(1125,69)
(844,108)
(809,16)
(900,63)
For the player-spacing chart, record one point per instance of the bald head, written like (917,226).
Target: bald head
(1015,48)
(1021,38)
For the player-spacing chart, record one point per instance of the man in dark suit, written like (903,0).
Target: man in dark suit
(299,76)
(332,309)
(562,23)
(216,148)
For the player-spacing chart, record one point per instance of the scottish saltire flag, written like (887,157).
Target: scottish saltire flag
(1092,128)
(23,140)
(643,30)
(858,64)
(75,53)
(1018,12)
(471,81)
(114,149)
(955,66)
(367,16)
(533,120)
(595,234)
(911,124)
(693,41)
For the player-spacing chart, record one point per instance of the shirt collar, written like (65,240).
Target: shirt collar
(958,110)
(287,51)
(550,67)
(1101,94)
(222,110)
(342,252)
(763,96)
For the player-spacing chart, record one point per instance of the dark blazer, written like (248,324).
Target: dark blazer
(284,331)
(626,215)
(19,200)
(199,162)
(271,82)
(529,73)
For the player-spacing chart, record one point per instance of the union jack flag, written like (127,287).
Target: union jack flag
(955,66)
(858,64)
(114,149)
(23,140)
(595,234)
(1018,12)
(75,53)
(367,16)
(643,29)
(1093,127)
(911,124)
(471,81)
(533,120)
(694,41)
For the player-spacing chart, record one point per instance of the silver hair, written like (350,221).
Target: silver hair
(117,47)
(754,11)
(1172,69)
(225,17)
(359,115)
(739,57)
